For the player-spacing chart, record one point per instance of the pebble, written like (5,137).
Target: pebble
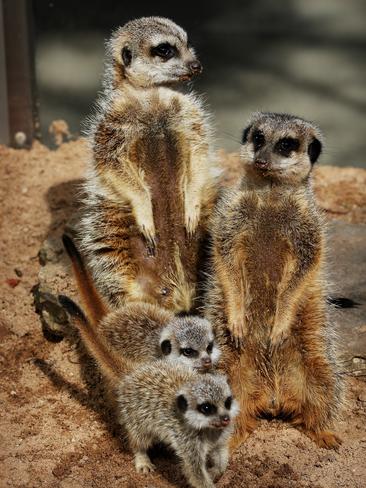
(362,397)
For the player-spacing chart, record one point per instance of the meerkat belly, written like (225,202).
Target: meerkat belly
(162,156)
(267,261)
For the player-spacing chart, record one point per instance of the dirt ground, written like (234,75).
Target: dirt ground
(55,430)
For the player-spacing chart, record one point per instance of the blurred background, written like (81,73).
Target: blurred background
(301,56)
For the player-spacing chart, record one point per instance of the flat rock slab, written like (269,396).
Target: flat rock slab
(347,269)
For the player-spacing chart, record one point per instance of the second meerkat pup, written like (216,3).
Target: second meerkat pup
(141,332)
(269,291)
(167,402)
(150,183)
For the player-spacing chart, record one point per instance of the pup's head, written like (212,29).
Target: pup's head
(190,341)
(207,403)
(152,51)
(280,147)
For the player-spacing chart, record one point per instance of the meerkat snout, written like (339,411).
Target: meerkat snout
(280,146)
(190,341)
(153,51)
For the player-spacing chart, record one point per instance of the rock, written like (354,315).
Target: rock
(50,251)
(347,270)
(52,315)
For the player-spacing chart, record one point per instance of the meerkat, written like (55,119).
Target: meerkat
(142,332)
(167,402)
(150,185)
(267,300)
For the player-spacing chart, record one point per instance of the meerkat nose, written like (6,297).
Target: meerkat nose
(195,67)
(206,362)
(260,164)
(225,420)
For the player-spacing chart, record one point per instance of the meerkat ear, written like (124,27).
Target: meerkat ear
(244,137)
(126,56)
(314,150)
(182,403)
(166,347)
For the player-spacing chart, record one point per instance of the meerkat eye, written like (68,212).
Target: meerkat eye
(210,348)
(164,50)
(189,352)
(228,402)
(258,139)
(286,145)
(166,347)
(207,408)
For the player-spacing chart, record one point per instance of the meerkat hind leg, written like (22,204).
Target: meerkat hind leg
(323,438)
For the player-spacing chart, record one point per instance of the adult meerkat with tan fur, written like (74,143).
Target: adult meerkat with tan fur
(268,298)
(167,402)
(150,183)
(142,332)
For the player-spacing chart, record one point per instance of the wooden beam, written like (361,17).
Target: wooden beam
(19,72)
(4,116)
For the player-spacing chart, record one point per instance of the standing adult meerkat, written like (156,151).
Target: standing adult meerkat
(268,297)
(150,184)
(168,402)
(141,332)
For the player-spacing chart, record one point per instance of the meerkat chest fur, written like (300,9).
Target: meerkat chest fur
(154,132)
(274,235)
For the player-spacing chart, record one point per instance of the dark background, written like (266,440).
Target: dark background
(301,56)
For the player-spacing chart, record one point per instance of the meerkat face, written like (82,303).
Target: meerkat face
(153,51)
(208,403)
(190,341)
(280,147)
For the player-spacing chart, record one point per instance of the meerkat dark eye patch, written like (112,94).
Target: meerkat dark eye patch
(207,408)
(286,145)
(244,137)
(228,402)
(126,56)
(164,51)
(258,139)
(182,403)
(210,347)
(314,150)
(166,347)
(188,352)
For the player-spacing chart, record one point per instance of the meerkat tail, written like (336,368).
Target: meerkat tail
(110,364)
(93,302)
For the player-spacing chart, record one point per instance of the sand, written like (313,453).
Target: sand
(55,430)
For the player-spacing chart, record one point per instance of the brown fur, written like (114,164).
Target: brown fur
(267,301)
(150,189)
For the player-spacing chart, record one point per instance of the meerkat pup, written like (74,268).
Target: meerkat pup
(150,185)
(167,402)
(142,332)
(268,291)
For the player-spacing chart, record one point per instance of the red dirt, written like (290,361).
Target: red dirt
(55,430)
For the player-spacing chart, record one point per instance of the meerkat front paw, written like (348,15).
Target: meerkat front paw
(277,336)
(238,332)
(192,216)
(150,237)
(143,464)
